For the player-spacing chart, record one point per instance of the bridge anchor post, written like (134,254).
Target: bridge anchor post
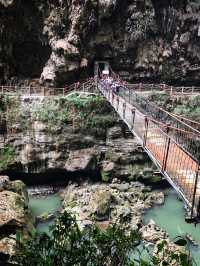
(194,195)
(146,131)
(117,107)
(124,109)
(112,97)
(133,116)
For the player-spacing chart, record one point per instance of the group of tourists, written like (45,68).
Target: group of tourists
(114,84)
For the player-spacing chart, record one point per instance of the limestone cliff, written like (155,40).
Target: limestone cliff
(59,40)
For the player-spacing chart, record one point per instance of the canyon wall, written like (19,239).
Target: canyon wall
(57,41)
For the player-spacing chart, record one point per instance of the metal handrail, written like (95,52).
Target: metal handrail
(180,181)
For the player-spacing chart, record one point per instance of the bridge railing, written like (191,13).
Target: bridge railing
(187,135)
(180,168)
(177,90)
(48,91)
(165,88)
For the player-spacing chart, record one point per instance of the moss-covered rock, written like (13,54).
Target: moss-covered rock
(14,217)
(100,203)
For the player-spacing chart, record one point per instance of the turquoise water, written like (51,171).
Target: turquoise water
(41,205)
(170,217)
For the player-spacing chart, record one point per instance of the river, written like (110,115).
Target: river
(44,204)
(170,217)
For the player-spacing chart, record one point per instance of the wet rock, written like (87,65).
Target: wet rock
(106,202)
(170,251)
(152,233)
(185,38)
(157,198)
(3,182)
(123,187)
(46,217)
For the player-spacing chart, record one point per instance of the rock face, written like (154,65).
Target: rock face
(59,42)
(81,160)
(88,141)
(14,216)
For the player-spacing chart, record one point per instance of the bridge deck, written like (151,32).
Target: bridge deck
(179,167)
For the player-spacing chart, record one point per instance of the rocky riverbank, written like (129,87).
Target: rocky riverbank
(15,217)
(104,203)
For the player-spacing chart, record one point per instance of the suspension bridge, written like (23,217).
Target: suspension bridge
(171,141)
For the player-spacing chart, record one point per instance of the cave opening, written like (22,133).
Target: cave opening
(30,58)
(54,177)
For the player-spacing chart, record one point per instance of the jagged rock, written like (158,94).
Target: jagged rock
(104,202)
(123,187)
(170,251)
(14,217)
(3,182)
(185,38)
(11,210)
(100,204)
(108,167)
(7,248)
(145,33)
(81,160)
(7,3)
(152,233)
(124,213)
(114,132)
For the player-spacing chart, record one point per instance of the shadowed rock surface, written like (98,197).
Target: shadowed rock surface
(58,41)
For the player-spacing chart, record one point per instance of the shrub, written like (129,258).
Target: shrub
(70,246)
(7,157)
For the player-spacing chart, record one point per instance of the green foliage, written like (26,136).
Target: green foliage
(82,110)
(105,176)
(90,113)
(70,246)
(165,256)
(4,102)
(89,102)
(52,113)
(186,106)
(7,157)
(11,111)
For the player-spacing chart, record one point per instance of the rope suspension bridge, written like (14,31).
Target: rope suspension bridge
(171,141)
